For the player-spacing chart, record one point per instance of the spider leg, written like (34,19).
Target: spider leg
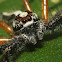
(5,48)
(55,21)
(5,57)
(9,16)
(6,28)
(4,40)
(27,6)
(45,11)
(12,48)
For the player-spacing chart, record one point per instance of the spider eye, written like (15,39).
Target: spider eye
(29,18)
(19,20)
(15,18)
(21,26)
(24,21)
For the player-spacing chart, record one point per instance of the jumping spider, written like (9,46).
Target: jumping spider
(28,28)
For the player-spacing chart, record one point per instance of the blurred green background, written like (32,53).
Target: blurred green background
(50,48)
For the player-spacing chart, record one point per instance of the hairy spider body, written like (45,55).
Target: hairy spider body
(25,32)
(30,33)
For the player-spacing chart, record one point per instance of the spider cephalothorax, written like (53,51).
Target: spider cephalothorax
(25,19)
(30,25)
